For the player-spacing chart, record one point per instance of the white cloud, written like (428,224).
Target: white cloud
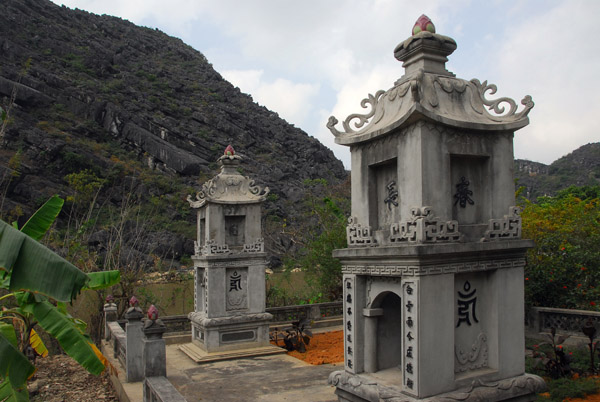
(549,57)
(292,101)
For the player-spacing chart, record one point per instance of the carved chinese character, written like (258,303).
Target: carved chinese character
(348,298)
(409,336)
(349,363)
(409,306)
(409,368)
(235,281)
(409,383)
(409,322)
(349,326)
(466,305)
(463,194)
(409,351)
(409,290)
(349,338)
(349,310)
(350,350)
(392,195)
(348,285)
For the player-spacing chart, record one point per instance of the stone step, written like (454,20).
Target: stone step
(200,356)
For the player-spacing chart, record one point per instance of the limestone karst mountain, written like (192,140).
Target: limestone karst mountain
(111,115)
(579,168)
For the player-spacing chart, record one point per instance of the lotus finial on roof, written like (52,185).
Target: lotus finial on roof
(423,24)
(229,151)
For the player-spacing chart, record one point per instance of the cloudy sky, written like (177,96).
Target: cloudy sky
(310,59)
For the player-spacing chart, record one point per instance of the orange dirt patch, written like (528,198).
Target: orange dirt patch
(324,348)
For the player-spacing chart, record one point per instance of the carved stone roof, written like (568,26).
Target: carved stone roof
(229,186)
(428,91)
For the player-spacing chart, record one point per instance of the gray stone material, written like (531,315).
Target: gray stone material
(110,315)
(160,389)
(229,262)
(134,345)
(433,272)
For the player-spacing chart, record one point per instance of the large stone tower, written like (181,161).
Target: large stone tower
(433,272)
(229,263)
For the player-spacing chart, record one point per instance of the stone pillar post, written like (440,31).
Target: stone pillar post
(370,356)
(110,315)
(133,342)
(154,356)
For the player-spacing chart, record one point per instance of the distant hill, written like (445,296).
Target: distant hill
(581,167)
(109,115)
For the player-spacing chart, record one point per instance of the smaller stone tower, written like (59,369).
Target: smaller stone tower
(229,262)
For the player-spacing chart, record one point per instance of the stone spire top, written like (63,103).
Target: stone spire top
(229,186)
(427,91)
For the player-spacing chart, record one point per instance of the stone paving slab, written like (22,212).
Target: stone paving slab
(265,379)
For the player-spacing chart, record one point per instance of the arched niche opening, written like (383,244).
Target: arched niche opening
(383,335)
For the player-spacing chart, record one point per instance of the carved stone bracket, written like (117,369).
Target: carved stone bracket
(474,359)
(508,227)
(357,235)
(257,247)
(211,247)
(423,227)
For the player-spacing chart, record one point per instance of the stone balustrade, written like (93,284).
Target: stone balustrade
(160,389)
(565,321)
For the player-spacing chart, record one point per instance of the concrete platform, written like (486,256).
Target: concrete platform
(272,378)
(266,379)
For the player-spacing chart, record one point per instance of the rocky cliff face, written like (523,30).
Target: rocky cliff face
(579,168)
(96,99)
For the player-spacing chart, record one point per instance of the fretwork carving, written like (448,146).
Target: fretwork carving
(508,227)
(423,227)
(357,235)
(211,247)
(257,247)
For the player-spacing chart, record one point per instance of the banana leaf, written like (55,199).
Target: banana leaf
(36,343)
(75,343)
(14,366)
(103,279)
(34,267)
(10,394)
(39,223)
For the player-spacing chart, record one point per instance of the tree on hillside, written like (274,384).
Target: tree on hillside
(323,230)
(563,269)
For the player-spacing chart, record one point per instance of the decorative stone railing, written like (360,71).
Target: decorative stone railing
(160,389)
(566,322)
(117,336)
(314,312)
(176,324)
(141,350)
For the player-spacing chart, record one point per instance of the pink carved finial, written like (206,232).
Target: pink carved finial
(133,302)
(110,298)
(423,24)
(229,151)
(152,313)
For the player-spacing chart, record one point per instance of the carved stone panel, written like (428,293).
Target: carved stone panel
(384,197)
(236,289)
(470,198)
(473,308)
(411,333)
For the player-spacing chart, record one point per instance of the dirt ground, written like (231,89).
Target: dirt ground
(60,379)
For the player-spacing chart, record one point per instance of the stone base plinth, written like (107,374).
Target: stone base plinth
(369,388)
(230,333)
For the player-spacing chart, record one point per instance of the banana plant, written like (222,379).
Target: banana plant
(38,282)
